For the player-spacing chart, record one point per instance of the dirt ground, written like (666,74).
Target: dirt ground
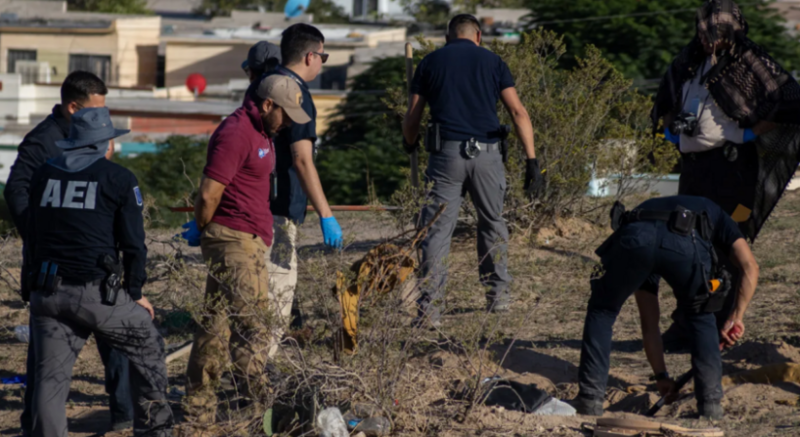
(538,342)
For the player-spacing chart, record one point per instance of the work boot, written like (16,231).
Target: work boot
(121,426)
(710,410)
(588,407)
(499,303)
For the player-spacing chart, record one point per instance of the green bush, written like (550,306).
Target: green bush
(361,157)
(169,177)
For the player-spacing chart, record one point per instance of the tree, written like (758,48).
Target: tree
(137,7)
(327,12)
(641,38)
(361,151)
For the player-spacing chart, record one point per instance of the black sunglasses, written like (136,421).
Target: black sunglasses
(323,56)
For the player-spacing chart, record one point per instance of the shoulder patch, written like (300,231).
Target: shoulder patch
(138,195)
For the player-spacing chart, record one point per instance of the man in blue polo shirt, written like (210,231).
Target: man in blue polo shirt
(462,83)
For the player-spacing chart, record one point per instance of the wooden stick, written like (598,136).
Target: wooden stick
(414,157)
(185,349)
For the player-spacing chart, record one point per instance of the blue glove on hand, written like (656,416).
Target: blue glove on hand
(331,232)
(191,234)
(674,139)
(749,135)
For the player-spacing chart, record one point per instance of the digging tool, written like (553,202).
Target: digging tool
(414,157)
(679,383)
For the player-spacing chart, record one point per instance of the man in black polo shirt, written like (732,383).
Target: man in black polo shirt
(462,83)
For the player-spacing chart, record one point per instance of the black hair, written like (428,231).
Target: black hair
(297,40)
(79,85)
(461,24)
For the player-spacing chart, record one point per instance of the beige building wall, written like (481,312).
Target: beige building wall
(326,105)
(217,62)
(131,43)
(137,51)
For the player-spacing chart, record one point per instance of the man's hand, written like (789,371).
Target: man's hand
(533,178)
(667,387)
(410,148)
(144,303)
(731,332)
(331,232)
(191,234)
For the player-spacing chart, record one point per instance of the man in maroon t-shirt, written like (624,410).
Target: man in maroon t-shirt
(232,212)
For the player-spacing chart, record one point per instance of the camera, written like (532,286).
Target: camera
(685,123)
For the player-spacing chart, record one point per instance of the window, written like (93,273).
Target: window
(19,55)
(364,7)
(97,64)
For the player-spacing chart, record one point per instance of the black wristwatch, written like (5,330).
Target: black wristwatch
(660,376)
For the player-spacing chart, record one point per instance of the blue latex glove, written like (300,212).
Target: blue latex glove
(331,232)
(749,135)
(17,379)
(674,139)
(191,234)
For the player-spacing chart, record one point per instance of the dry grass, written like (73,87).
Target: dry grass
(409,373)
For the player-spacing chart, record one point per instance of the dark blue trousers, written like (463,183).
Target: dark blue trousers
(117,384)
(633,259)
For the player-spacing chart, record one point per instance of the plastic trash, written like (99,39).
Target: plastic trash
(554,407)
(331,423)
(374,426)
(16,379)
(23,333)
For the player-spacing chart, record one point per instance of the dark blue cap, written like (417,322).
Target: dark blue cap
(262,56)
(90,126)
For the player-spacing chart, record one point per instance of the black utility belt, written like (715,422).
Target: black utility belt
(471,148)
(729,152)
(681,221)
(48,281)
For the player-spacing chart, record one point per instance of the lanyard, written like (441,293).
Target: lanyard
(700,81)
(285,71)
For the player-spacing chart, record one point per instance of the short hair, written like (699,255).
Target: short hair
(297,40)
(463,24)
(79,85)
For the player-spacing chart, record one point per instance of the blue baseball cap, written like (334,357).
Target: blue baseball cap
(88,127)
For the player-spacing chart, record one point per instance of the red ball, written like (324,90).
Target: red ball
(196,83)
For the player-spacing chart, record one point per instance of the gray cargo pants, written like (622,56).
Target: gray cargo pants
(61,323)
(453,175)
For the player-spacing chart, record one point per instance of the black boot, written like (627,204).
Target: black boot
(588,407)
(710,410)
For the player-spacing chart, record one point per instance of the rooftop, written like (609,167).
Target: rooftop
(348,35)
(157,106)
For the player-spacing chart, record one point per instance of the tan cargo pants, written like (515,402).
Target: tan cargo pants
(282,267)
(236,320)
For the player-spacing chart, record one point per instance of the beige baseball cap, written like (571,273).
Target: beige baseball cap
(286,93)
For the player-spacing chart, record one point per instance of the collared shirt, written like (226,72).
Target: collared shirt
(462,83)
(241,157)
(714,128)
(291,201)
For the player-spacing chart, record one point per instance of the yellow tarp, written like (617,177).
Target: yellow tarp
(382,269)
